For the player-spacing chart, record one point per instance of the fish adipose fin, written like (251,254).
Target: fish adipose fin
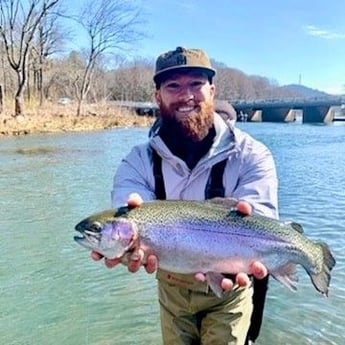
(297,227)
(287,275)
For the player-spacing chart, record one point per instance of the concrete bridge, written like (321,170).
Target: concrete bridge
(327,109)
(309,110)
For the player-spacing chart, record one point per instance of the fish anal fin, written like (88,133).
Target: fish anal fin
(286,275)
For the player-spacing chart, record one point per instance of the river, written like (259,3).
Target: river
(52,293)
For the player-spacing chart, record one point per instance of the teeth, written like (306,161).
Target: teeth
(185,109)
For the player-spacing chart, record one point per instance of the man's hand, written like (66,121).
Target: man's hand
(257,269)
(137,258)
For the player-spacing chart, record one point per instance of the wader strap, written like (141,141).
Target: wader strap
(158,175)
(260,287)
(215,188)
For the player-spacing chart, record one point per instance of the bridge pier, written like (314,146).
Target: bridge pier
(257,116)
(278,114)
(315,114)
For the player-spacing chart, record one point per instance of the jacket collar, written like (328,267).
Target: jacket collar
(223,143)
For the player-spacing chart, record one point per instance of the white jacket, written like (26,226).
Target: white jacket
(249,175)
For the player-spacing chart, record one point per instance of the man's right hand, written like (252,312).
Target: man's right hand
(136,258)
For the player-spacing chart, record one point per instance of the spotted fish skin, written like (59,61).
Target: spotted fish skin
(209,237)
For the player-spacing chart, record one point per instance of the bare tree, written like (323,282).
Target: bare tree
(48,41)
(19,22)
(132,81)
(110,25)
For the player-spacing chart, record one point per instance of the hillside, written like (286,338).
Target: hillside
(304,91)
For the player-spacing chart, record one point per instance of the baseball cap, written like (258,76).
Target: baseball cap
(182,58)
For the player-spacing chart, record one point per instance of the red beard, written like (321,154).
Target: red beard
(195,125)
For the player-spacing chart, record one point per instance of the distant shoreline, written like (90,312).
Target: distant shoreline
(63,119)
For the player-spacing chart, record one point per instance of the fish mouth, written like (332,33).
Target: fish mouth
(88,237)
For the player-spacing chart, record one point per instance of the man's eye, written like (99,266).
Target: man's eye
(172,85)
(197,83)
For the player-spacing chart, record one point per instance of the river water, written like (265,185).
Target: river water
(52,293)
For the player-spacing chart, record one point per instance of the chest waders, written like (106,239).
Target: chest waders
(215,188)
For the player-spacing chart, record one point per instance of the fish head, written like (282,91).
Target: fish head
(107,234)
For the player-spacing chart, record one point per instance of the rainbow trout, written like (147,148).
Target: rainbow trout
(209,237)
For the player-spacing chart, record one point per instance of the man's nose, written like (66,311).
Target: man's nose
(186,94)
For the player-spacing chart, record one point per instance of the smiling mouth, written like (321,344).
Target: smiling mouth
(186,108)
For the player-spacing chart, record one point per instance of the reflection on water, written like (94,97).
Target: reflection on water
(52,293)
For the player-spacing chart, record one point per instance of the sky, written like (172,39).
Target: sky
(289,42)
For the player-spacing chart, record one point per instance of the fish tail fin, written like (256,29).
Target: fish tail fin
(321,280)
(286,275)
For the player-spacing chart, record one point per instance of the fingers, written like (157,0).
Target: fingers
(134,200)
(136,260)
(151,264)
(96,256)
(242,279)
(200,277)
(258,270)
(110,263)
(227,284)
(244,207)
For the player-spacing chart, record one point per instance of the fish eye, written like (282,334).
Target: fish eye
(96,227)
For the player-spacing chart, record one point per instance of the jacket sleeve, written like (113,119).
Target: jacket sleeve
(134,175)
(257,180)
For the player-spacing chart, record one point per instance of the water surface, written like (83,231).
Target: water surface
(52,293)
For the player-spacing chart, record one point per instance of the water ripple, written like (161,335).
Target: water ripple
(53,293)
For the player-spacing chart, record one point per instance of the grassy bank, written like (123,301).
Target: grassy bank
(62,118)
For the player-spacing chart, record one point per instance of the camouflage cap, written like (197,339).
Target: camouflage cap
(182,58)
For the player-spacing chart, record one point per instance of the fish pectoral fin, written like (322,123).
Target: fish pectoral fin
(214,280)
(286,275)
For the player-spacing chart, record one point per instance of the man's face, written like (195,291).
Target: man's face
(185,101)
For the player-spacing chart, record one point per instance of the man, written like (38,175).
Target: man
(195,154)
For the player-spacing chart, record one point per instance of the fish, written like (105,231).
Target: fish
(210,237)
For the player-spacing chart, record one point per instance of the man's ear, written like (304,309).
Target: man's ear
(213,91)
(157,96)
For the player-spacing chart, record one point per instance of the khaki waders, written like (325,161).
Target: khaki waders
(191,314)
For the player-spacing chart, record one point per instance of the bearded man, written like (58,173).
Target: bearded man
(196,154)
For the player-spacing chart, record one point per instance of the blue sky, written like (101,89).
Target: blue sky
(286,41)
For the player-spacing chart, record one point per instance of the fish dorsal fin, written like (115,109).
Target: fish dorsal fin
(227,203)
(297,227)
(122,211)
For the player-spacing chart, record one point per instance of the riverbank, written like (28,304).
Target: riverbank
(62,118)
